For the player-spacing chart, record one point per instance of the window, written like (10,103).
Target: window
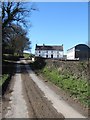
(52,51)
(57,56)
(57,52)
(46,51)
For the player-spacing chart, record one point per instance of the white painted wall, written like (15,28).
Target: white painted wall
(33,59)
(71,54)
(55,53)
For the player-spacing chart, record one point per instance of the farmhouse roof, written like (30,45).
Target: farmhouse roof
(48,47)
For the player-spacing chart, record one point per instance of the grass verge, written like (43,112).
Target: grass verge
(77,87)
(3,79)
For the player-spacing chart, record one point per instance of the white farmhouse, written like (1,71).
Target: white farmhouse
(49,51)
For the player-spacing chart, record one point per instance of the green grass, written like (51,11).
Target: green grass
(76,87)
(26,55)
(3,78)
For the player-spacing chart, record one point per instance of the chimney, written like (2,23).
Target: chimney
(43,45)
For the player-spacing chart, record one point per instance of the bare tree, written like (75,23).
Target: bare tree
(14,15)
(15,12)
(16,39)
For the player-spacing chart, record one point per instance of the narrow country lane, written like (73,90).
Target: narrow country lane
(39,105)
(57,101)
(33,98)
(26,99)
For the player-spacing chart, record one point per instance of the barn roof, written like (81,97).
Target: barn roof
(79,45)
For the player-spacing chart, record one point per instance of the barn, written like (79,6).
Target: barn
(78,52)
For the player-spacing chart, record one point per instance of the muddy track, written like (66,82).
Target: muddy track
(38,105)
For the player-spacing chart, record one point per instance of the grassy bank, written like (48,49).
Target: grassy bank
(26,55)
(3,79)
(74,85)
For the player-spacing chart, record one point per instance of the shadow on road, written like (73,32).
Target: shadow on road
(9,64)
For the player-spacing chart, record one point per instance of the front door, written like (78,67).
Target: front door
(52,56)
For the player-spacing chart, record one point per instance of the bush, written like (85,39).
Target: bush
(3,78)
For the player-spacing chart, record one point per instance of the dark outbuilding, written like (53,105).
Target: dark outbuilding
(80,51)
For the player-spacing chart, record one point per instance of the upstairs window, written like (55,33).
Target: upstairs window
(57,52)
(46,51)
(52,51)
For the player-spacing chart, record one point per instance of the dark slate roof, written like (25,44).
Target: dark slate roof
(79,45)
(46,47)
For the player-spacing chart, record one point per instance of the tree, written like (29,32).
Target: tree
(16,40)
(15,12)
(14,15)
(21,43)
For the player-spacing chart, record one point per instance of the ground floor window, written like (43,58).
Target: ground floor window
(57,56)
